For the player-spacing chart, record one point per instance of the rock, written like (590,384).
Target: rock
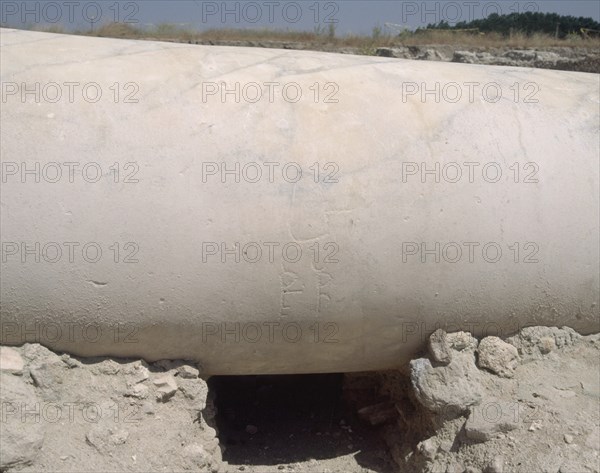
(378,414)
(428,448)
(546,345)
(140,374)
(401,52)
(384,52)
(549,57)
(166,387)
(138,391)
(431,55)
(103,438)
(108,367)
(37,352)
(195,389)
(188,372)
(11,361)
(70,362)
(496,466)
(97,437)
(454,467)
(44,376)
(521,55)
(21,429)
(439,349)
(490,418)
(535,425)
(119,437)
(568,438)
(593,439)
(197,455)
(472,469)
(498,356)
(460,341)
(532,341)
(450,389)
(466,57)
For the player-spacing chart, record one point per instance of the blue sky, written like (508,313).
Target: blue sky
(350,16)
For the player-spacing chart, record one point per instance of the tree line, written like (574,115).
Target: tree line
(527,23)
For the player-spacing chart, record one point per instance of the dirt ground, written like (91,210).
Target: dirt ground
(528,404)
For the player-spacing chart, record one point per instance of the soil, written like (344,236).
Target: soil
(540,412)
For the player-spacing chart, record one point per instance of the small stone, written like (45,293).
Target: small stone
(140,374)
(44,376)
(97,437)
(460,341)
(498,356)
(197,455)
(148,408)
(64,457)
(251,429)
(546,345)
(109,367)
(593,439)
(472,469)
(188,372)
(568,438)
(534,426)
(11,361)
(166,387)
(138,391)
(454,467)
(491,418)
(496,466)
(119,437)
(439,348)
(70,362)
(428,448)
(21,435)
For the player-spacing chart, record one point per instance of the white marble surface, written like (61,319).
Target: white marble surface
(369,310)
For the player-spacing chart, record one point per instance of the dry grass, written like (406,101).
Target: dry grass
(320,38)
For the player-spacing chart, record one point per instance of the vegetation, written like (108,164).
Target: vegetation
(528,23)
(516,30)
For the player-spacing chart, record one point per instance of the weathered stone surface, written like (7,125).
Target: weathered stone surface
(439,347)
(188,372)
(11,361)
(460,341)
(534,341)
(363,208)
(166,387)
(496,465)
(447,389)
(490,418)
(498,356)
(21,429)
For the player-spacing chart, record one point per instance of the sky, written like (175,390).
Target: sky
(348,16)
